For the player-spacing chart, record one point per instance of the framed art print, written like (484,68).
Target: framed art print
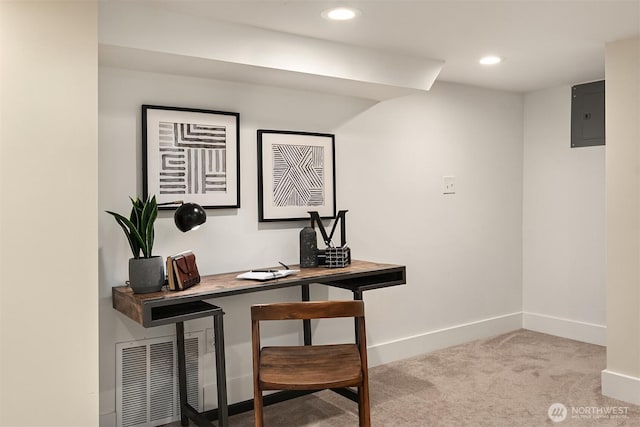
(191,155)
(296,174)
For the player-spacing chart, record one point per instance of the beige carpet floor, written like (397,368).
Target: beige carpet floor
(508,380)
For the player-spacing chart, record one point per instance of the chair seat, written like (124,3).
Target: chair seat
(310,367)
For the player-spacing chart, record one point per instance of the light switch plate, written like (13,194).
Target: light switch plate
(448,185)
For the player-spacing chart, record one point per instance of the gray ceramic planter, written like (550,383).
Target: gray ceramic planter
(146,274)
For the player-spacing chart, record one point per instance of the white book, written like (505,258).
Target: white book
(266,274)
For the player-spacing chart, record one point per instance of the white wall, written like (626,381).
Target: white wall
(621,379)
(48,223)
(463,252)
(563,223)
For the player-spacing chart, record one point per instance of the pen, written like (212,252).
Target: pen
(284,265)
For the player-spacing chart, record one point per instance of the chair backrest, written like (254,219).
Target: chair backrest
(307,310)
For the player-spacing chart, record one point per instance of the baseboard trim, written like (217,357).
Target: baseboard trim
(565,328)
(108,420)
(382,353)
(620,386)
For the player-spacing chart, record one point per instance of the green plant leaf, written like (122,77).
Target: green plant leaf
(139,227)
(134,218)
(139,208)
(150,234)
(149,214)
(138,238)
(127,227)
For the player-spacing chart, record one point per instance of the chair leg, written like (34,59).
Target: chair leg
(257,409)
(364,410)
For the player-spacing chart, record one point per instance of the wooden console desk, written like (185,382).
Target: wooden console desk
(165,307)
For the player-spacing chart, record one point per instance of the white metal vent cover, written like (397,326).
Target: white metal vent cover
(147,391)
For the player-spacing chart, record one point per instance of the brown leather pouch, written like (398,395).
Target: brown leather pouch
(186,271)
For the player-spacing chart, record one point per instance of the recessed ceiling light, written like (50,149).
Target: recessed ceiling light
(490,60)
(340,14)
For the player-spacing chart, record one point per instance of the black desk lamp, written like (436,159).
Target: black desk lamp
(189,216)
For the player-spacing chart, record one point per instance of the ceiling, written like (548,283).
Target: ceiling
(543,43)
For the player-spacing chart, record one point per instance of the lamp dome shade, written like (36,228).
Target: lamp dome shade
(189,216)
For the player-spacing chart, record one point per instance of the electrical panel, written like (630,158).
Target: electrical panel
(587,114)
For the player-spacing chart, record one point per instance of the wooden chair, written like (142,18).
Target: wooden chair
(312,367)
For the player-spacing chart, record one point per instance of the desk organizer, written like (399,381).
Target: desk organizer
(337,257)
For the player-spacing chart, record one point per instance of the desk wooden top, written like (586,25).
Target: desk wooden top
(359,275)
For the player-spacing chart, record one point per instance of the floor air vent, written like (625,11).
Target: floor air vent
(147,380)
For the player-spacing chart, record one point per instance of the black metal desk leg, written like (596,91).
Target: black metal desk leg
(357,296)
(221,374)
(182,373)
(306,324)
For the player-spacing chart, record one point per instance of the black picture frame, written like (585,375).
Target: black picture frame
(287,196)
(192,155)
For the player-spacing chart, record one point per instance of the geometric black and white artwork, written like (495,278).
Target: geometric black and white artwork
(192,158)
(191,155)
(296,174)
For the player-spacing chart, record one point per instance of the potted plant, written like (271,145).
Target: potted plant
(146,272)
